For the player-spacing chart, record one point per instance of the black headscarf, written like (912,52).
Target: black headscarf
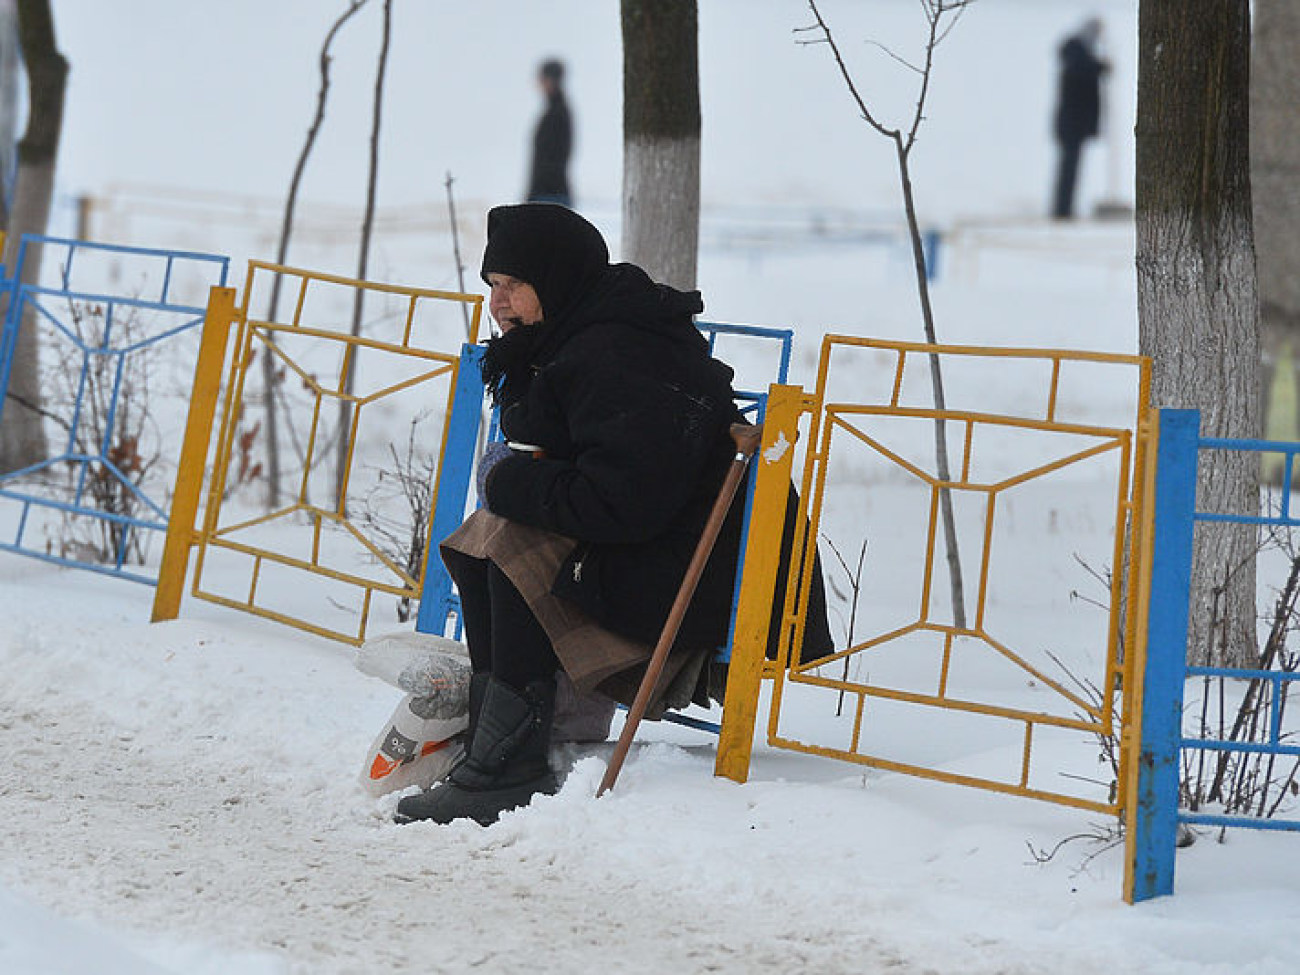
(549,246)
(566,261)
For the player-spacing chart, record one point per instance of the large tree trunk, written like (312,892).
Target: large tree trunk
(1275,179)
(22,438)
(661,138)
(1197,308)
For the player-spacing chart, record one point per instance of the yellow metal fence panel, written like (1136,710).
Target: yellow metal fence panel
(1034,437)
(376,403)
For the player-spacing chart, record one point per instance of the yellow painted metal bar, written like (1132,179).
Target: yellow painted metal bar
(802,547)
(1058,464)
(947,702)
(309,455)
(316,524)
(410,320)
(859,711)
(239,359)
(965,457)
(259,520)
(898,378)
(280,558)
(931,533)
(954,778)
(772,466)
(352,340)
(270,614)
(1084,705)
(348,457)
(874,641)
(254,579)
(944,665)
(986,555)
(833,421)
(983,351)
(302,297)
(396,289)
(1054,389)
(368,592)
(963,416)
(1139,513)
(188,487)
(1135,658)
(423,377)
(1025,754)
(1126,537)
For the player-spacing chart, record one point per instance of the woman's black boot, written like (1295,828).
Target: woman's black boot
(506,760)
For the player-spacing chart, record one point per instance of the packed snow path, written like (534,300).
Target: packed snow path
(191,787)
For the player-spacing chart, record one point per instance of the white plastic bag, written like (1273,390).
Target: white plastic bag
(424,737)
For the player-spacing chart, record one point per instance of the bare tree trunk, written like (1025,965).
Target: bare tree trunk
(269,376)
(661,139)
(1275,186)
(363,260)
(942,16)
(22,438)
(1197,309)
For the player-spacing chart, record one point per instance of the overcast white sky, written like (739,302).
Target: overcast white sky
(217,96)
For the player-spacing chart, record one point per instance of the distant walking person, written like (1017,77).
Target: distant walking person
(548,180)
(1078,109)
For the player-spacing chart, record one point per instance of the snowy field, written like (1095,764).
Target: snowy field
(183,797)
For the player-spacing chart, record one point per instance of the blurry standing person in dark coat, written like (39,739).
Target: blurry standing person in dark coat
(1078,109)
(548,179)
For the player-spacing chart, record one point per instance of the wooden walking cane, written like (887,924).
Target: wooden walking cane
(747,439)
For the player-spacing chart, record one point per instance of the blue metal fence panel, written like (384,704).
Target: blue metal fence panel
(1163,741)
(91,448)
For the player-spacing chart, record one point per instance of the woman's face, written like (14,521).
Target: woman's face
(512,302)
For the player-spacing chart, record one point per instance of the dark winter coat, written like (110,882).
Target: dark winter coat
(552,143)
(632,416)
(1079,107)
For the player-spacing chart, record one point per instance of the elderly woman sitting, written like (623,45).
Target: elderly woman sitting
(618,418)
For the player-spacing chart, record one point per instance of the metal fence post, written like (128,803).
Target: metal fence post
(772,468)
(194,452)
(1154,828)
(454,468)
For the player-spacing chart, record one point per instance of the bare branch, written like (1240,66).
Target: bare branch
(848,78)
(897,57)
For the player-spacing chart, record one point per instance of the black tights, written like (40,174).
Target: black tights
(503,634)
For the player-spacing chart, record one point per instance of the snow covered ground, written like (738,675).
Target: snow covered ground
(182,798)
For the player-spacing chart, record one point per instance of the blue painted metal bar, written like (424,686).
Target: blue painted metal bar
(690,721)
(1276,520)
(1244,673)
(785,336)
(1276,679)
(1155,830)
(75,509)
(31,291)
(1246,747)
(1250,822)
(456,463)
